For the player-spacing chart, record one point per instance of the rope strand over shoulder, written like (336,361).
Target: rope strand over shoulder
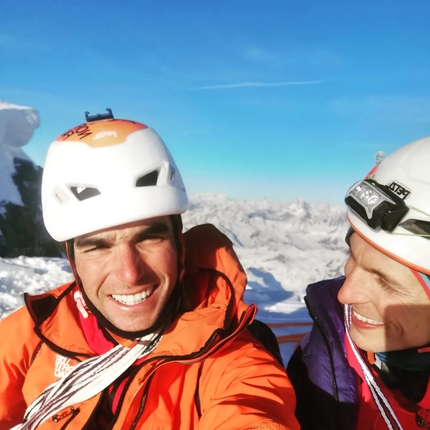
(380,400)
(85,380)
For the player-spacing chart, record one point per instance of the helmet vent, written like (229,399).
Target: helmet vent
(148,180)
(84,193)
(172,175)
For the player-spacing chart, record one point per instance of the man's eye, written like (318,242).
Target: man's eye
(96,248)
(385,285)
(152,239)
(90,250)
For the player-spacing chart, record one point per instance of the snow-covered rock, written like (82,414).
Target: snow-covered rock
(22,231)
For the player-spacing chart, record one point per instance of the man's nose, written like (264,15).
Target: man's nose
(130,265)
(355,289)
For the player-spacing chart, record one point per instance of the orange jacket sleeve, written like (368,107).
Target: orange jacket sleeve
(17,346)
(243,387)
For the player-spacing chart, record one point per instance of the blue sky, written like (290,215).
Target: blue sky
(275,99)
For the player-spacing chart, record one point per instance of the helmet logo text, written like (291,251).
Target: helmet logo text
(105,134)
(399,190)
(81,130)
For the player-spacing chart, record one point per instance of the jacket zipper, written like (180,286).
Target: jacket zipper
(66,424)
(70,413)
(422,420)
(141,407)
(140,412)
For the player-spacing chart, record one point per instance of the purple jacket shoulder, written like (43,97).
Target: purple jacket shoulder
(325,384)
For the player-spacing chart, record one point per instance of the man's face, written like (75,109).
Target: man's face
(390,309)
(129,272)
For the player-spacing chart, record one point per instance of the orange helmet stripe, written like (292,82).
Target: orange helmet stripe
(102,133)
(388,253)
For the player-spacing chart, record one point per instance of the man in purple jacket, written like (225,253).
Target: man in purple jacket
(366,362)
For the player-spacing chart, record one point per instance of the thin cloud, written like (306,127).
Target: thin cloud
(255,85)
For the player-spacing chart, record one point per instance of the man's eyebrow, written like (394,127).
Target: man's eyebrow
(386,277)
(377,272)
(153,229)
(85,242)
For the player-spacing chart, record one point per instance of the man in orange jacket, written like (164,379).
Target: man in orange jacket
(152,334)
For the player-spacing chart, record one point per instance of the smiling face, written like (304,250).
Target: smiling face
(390,309)
(129,272)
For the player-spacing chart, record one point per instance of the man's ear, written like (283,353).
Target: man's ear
(70,252)
(181,255)
(181,275)
(178,237)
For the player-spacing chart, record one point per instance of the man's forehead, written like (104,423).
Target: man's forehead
(369,255)
(377,262)
(150,223)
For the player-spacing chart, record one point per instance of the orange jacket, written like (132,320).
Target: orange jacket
(207,372)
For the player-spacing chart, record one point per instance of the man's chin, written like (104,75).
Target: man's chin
(366,343)
(132,328)
(123,325)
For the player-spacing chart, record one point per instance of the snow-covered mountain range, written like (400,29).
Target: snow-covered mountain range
(282,246)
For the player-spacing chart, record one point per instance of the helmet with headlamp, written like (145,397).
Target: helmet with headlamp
(105,173)
(390,209)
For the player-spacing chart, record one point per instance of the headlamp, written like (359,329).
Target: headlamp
(376,205)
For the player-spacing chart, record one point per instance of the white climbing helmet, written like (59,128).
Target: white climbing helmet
(107,172)
(390,209)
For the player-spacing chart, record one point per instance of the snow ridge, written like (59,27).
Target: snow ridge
(282,246)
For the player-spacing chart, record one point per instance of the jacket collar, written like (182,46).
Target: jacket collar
(213,307)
